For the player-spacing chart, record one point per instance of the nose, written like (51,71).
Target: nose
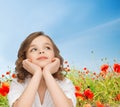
(41,52)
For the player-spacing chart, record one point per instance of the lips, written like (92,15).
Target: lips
(42,58)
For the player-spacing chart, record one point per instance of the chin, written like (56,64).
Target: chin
(42,65)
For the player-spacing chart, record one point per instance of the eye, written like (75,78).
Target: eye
(33,49)
(47,48)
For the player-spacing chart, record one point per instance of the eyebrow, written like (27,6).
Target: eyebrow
(33,45)
(48,44)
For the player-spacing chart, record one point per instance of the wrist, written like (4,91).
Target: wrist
(46,73)
(38,73)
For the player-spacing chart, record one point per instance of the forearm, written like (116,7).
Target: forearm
(58,96)
(28,96)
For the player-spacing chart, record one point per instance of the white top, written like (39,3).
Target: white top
(16,90)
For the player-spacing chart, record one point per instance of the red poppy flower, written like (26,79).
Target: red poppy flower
(4,89)
(87,105)
(117,98)
(8,73)
(3,75)
(79,95)
(99,104)
(88,93)
(94,73)
(77,88)
(104,68)
(87,71)
(85,68)
(116,68)
(13,75)
(66,62)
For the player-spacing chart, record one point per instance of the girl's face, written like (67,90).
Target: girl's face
(41,51)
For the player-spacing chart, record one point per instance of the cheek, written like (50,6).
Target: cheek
(52,55)
(51,58)
(31,57)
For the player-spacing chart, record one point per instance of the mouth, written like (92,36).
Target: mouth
(42,58)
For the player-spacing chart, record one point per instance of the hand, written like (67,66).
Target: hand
(31,67)
(53,66)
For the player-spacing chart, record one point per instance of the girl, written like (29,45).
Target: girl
(40,82)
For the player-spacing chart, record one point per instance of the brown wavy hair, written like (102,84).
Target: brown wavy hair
(22,74)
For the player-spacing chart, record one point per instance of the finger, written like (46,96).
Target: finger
(29,60)
(26,64)
(57,60)
(53,59)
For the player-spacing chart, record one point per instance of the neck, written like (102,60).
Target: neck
(42,84)
(42,90)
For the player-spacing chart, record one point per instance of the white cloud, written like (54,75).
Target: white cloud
(78,48)
(91,34)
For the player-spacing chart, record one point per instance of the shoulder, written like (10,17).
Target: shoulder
(15,83)
(16,89)
(65,80)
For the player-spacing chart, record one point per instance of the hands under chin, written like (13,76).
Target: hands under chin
(49,68)
(52,67)
(31,67)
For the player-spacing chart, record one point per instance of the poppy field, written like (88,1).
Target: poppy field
(91,89)
(96,89)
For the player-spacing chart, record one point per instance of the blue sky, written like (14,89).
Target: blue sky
(77,27)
